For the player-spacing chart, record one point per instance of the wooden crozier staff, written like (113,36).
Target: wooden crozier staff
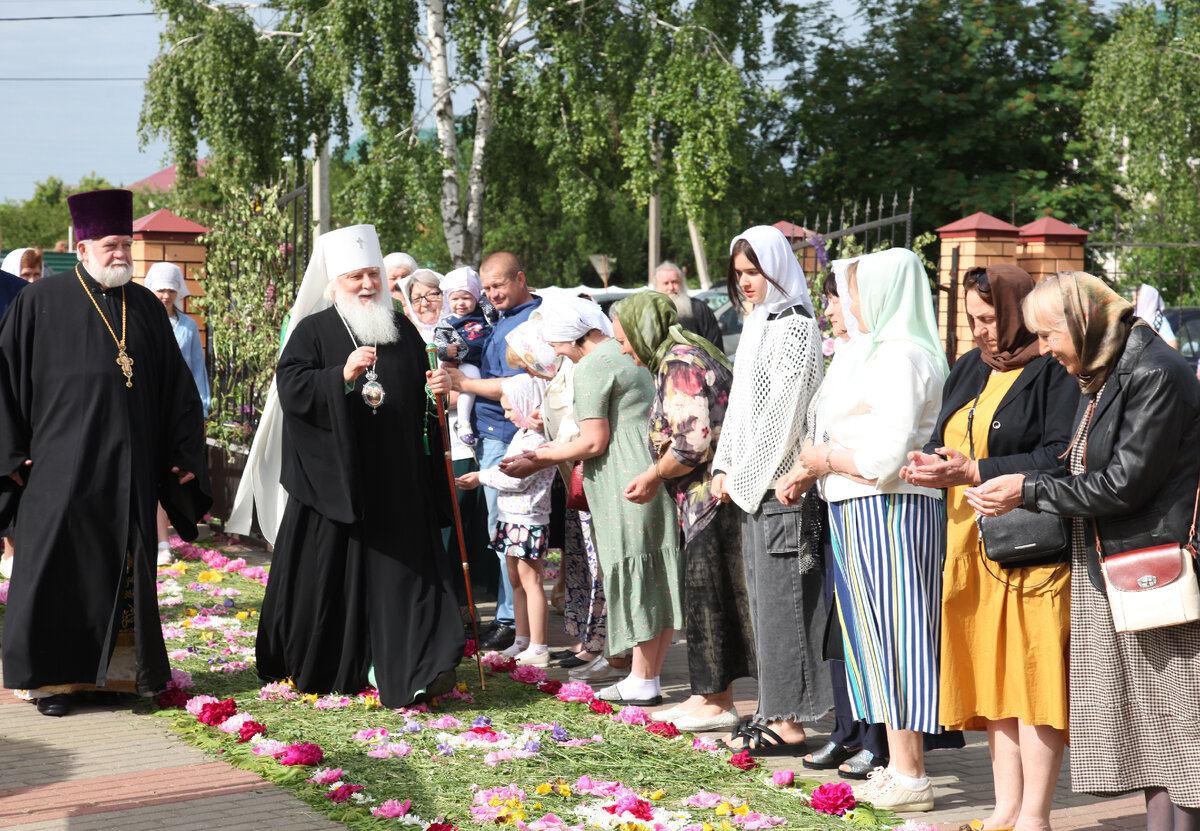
(431,351)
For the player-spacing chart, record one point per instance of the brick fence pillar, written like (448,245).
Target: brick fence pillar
(1050,245)
(981,240)
(164,237)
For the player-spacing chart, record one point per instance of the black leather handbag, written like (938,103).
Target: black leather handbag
(1020,537)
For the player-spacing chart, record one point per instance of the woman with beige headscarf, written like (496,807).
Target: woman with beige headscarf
(1129,479)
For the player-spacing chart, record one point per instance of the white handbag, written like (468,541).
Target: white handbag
(1152,588)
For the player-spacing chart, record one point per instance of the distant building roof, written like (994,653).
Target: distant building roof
(980,224)
(165,178)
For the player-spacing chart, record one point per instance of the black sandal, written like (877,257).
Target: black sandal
(761,740)
(829,756)
(861,764)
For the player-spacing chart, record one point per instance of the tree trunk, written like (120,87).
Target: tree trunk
(698,253)
(484,121)
(457,235)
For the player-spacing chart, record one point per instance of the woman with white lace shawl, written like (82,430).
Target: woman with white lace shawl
(778,368)
(888,535)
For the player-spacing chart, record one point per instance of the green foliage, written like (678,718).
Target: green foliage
(43,219)
(247,293)
(975,103)
(1142,104)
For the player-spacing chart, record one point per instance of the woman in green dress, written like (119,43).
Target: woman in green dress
(638,545)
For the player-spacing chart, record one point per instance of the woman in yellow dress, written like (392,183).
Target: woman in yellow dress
(1004,630)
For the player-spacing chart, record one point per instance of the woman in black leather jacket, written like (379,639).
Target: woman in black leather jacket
(1131,472)
(1005,408)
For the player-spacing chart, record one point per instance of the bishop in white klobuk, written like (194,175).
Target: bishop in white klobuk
(361,589)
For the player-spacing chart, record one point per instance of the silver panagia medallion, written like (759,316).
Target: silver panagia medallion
(372,392)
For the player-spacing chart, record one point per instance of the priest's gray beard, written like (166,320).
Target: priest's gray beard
(111,276)
(683,304)
(373,323)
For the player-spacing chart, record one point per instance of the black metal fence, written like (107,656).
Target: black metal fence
(857,222)
(232,378)
(1146,248)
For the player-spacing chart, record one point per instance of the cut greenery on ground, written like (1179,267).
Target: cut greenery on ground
(527,751)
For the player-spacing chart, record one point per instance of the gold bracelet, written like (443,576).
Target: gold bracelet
(658,472)
(829,464)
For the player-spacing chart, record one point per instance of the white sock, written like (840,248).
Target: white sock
(633,688)
(913,784)
(521,642)
(163,545)
(657,684)
(538,648)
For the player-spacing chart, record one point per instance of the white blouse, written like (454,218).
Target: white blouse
(881,412)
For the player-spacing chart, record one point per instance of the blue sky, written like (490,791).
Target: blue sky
(69,129)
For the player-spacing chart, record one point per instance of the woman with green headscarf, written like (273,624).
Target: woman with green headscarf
(888,535)
(692,381)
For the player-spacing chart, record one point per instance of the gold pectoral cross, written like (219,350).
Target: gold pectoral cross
(126,364)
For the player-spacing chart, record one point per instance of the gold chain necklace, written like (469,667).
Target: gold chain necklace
(123,359)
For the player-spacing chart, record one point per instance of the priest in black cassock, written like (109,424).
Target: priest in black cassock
(361,590)
(99,421)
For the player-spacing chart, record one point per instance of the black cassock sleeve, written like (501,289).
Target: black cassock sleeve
(185,504)
(320,452)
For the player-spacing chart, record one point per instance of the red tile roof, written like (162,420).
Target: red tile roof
(1048,226)
(163,221)
(980,224)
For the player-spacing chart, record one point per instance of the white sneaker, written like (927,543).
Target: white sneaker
(597,671)
(166,556)
(889,793)
(530,658)
(866,791)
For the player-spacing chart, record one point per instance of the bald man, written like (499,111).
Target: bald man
(504,284)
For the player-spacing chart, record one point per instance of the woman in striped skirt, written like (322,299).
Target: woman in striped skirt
(888,536)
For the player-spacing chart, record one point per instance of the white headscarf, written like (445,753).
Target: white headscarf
(1149,305)
(426,329)
(527,342)
(168,276)
(786,288)
(525,394)
(839,268)
(462,279)
(334,253)
(12,261)
(567,319)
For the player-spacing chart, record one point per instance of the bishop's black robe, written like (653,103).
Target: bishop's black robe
(102,457)
(359,577)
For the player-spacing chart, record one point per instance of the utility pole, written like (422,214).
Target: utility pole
(320,187)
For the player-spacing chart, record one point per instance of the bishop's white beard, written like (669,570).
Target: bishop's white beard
(111,276)
(371,324)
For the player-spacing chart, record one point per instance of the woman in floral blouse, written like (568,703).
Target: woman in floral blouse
(692,380)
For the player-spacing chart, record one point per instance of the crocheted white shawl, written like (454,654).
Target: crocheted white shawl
(764,424)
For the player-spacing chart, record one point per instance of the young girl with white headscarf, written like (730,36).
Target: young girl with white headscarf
(167,283)
(888,535)
(778,368)
(522,534)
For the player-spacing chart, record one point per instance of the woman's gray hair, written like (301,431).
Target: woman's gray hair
(424,276)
